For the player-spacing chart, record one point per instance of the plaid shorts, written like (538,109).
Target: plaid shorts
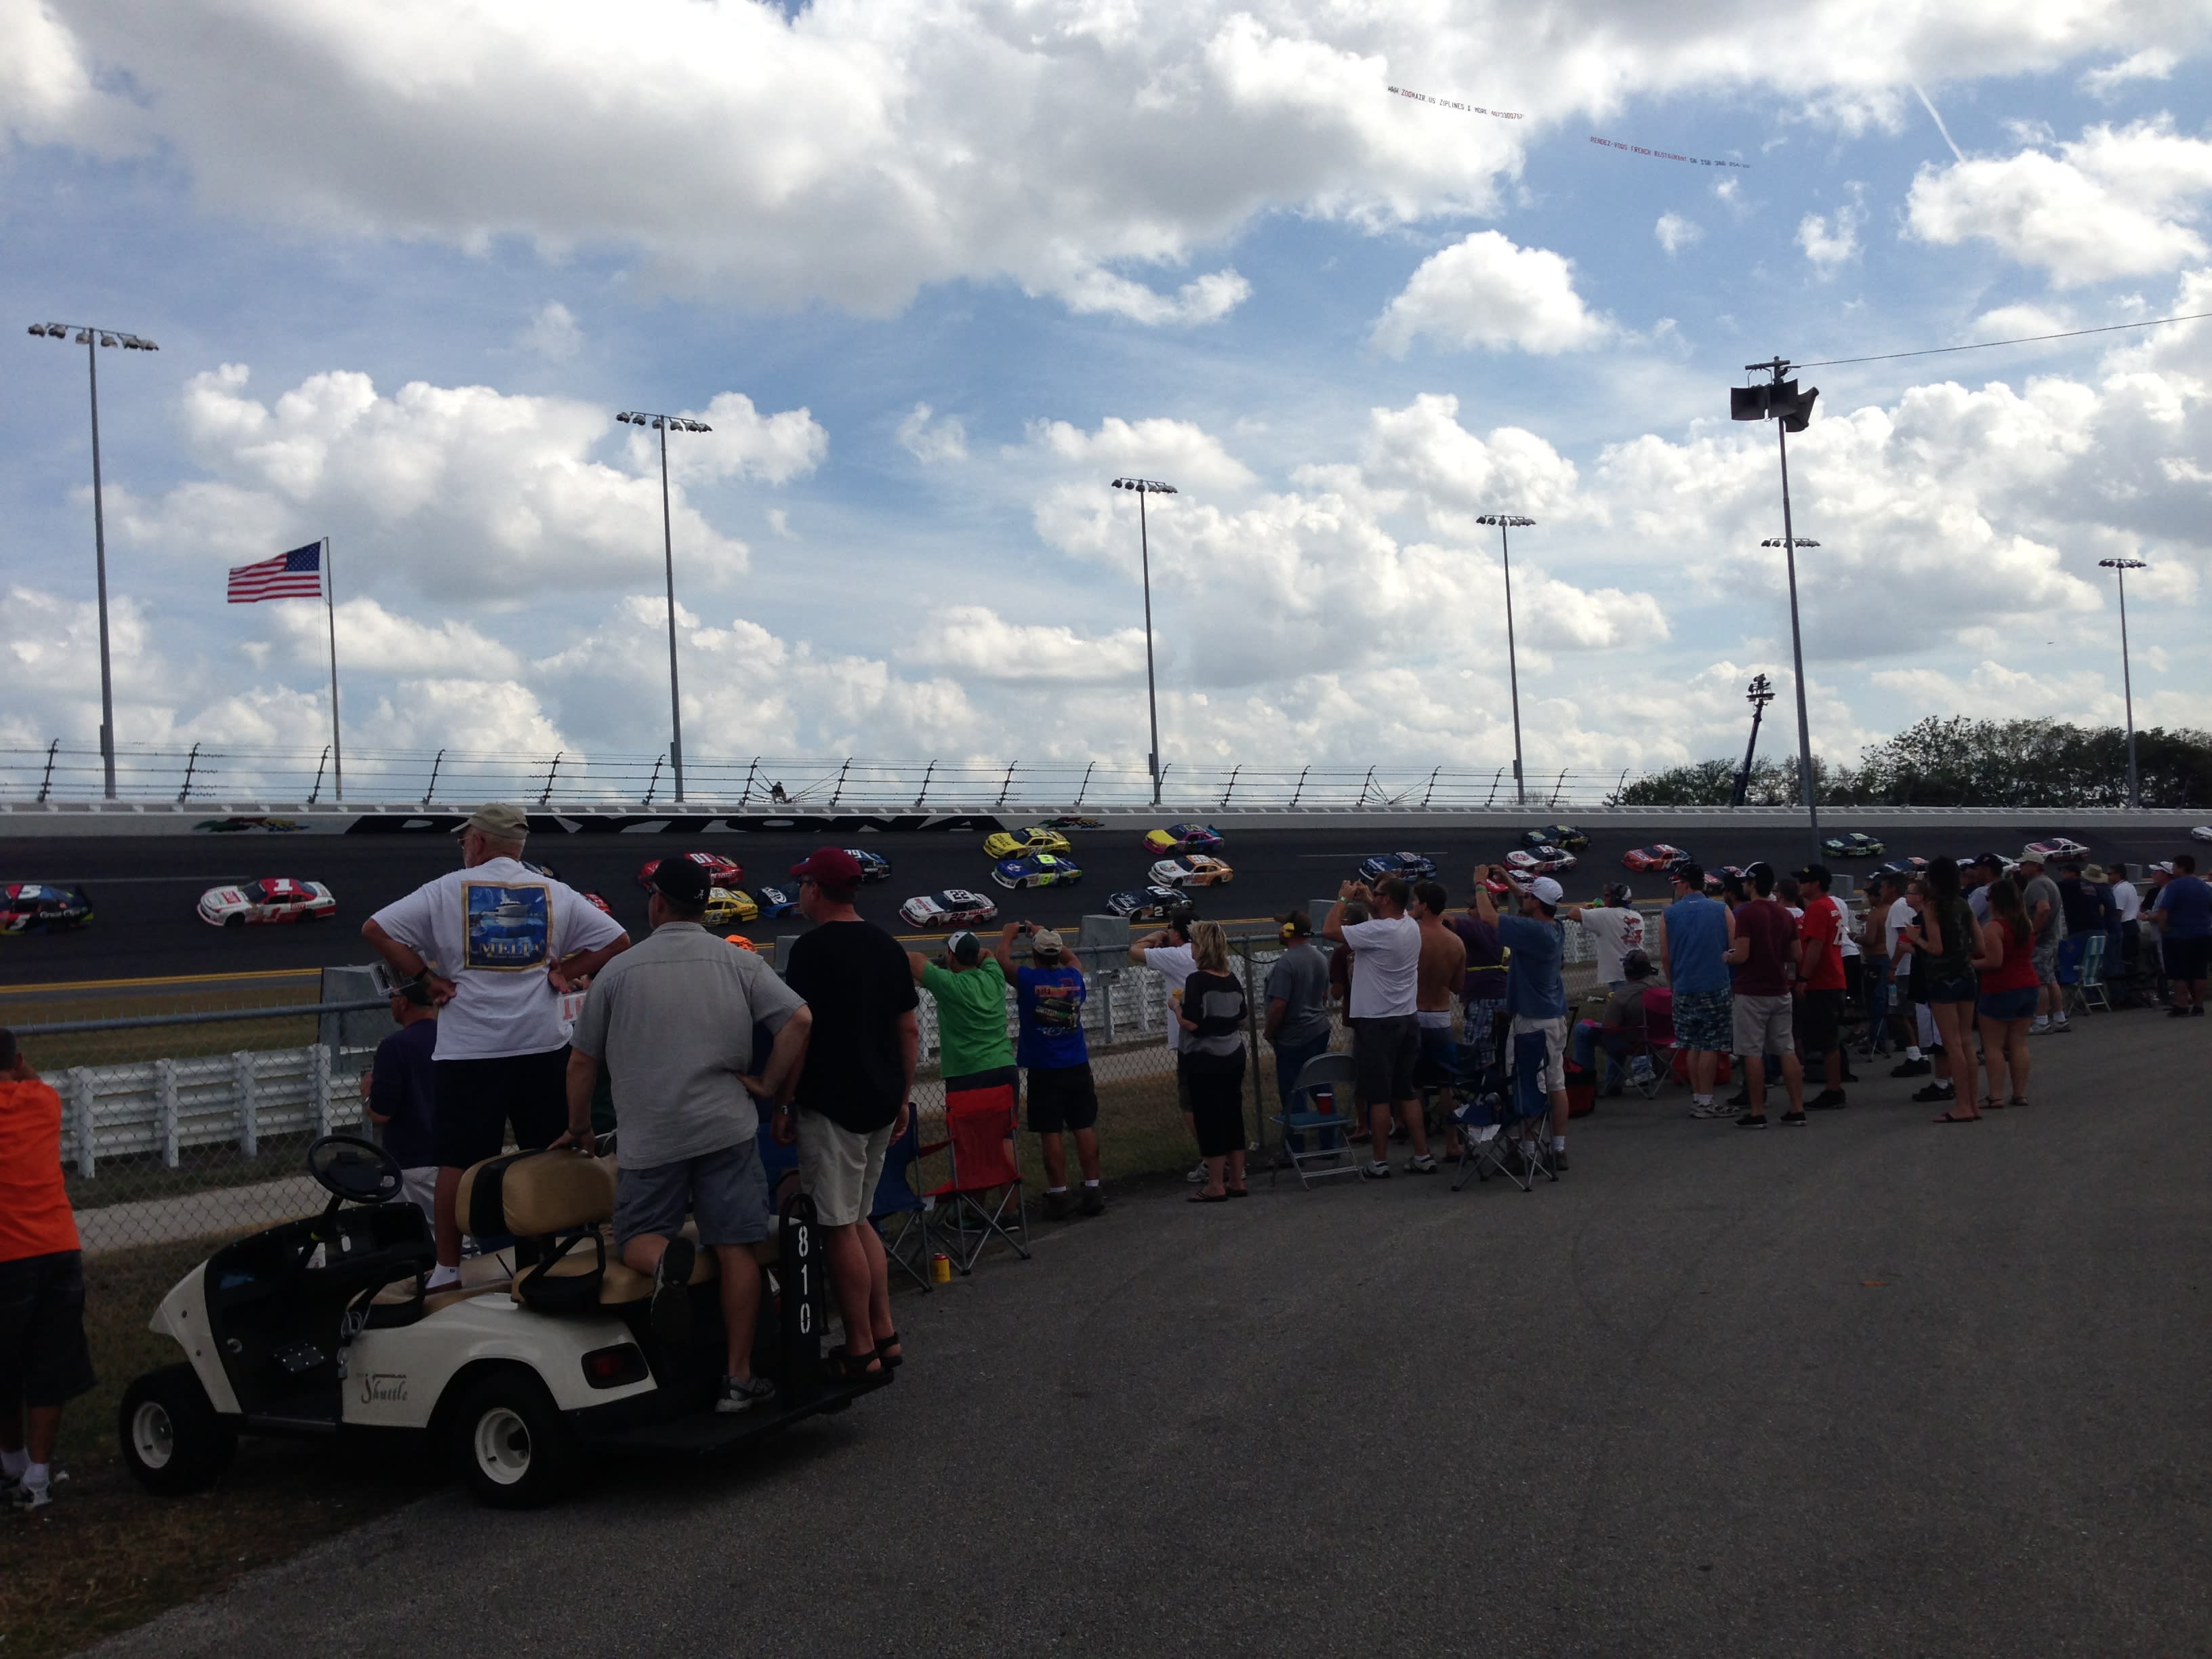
(1478,1039)
(1705,1020)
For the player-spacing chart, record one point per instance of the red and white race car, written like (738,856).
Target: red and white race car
(271,899)
(1545,860)
(1657,856)
(955,906)
(720,871)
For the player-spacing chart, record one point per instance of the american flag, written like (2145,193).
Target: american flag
(295,575)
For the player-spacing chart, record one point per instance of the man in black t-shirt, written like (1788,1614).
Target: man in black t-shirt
(399,1092)
(854,1095)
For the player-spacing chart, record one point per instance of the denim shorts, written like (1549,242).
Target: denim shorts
(2009,1004)
(1944,989)
(726,1190)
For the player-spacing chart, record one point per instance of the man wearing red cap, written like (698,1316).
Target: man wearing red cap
(852,1096)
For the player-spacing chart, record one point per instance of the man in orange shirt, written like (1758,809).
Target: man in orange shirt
(44,1361)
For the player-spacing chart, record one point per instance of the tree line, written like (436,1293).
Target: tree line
(1962,762)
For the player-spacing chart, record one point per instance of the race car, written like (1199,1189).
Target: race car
(545,870)
(1072,824)
(1857,844)
(1413,866)
(874,866)
(776,902)
(741,942)
(271,899)
(1556,835)
(1543,860)
(1904,867)
(720,871)
(956,907)
(1014,844)
(1183,838)
(726,905)
(234,826)
(2201,832)
(1149,903)
(1657,856)
(2058,847)
(2005,866)
(39,907)
(1038,870)
(601,901)
(1194,870)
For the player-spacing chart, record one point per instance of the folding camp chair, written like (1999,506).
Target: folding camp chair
(2088,990)
(1652,1063)
(979,1132)
(908,1246)
(1506,1129)
(1314,1141)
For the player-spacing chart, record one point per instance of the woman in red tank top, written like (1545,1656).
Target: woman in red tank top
(2005,956)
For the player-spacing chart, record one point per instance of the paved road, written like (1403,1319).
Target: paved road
(145,888)
(1869,1388)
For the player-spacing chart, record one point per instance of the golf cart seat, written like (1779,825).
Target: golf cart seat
(479,1273)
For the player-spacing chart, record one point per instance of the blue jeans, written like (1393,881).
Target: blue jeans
(1583,1042)
(1290,1059)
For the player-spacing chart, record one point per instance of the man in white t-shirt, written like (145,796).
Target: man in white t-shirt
(1386,1035)
(2127,911)
(501,948)
(1615,927)
(1167,952)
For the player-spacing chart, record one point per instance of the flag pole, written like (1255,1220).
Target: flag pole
(330,615)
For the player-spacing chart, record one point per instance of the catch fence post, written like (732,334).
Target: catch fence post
(839,790)
(1556,788)
(319,1076)
(319,765)
(247,1086)
(928,772)
(748,791)
(1085,789)
(191,764)
(82,1103)
(544,794)
(1431,788)
(1231,789)
(1007,782)
(1301,789)
(1495,779)
(47,782)
(653,783)
(1106,980)
(431,788)
(165,1095)
(1367,783)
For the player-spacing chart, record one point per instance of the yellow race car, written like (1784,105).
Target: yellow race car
(1021,843)
(726,906)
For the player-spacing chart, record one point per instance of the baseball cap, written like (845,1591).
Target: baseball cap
(1635,965)
(963,946)
(1296,924)
(1544,890)
(2030,855)
(498,820)
(1815,872)
(1045,943)
(1617,894)
(682,878)
(830,867)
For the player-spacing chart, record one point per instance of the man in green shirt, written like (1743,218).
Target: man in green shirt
(974,1051)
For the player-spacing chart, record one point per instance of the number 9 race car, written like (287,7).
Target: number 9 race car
(39,907)
(272,899)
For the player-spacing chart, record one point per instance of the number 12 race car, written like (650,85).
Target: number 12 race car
(272,899)
(39,907)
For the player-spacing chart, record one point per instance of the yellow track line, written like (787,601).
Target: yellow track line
(176,979)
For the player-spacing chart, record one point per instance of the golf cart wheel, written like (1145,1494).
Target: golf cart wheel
(174,1442)
(514,1448)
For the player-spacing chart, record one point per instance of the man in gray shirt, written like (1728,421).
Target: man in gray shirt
(673,1018)
(1297,1003)
(2038,896)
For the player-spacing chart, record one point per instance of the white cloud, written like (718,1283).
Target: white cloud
(1832,246)
(553,333)
(371,637)
(930,440)
(2117,202)
(1207,300)
(974,641)
(1483,292)
(2151,64)
(1675,233)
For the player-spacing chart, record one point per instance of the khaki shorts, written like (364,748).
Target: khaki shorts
(1554,1077)
(840,1168)
(1763,1026)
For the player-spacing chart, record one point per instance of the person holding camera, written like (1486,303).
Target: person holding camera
(1049,996)
(969,989)
(1166,950)
(1211,1013)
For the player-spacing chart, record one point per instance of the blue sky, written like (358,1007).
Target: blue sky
(1201,243)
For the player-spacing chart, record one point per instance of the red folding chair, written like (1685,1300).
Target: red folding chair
(979,1132)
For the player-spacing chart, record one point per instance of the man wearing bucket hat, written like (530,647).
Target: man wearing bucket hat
(2046,914)
(500,946)
(1048,997)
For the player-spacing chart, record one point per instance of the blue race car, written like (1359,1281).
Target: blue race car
(1413,866)
(874,866)
(776,902)
(1038,870)
(1153,903)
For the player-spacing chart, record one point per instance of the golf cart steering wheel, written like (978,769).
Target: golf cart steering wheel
(353,1170)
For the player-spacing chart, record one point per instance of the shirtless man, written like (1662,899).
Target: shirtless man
(1442,973)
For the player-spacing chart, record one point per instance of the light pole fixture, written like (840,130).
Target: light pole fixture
(1791,410)
(1514,521)
(92,339)
(1757,694)
(2120,568)
(664,424)
(1144,487)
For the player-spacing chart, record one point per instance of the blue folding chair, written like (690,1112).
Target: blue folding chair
(896,1196)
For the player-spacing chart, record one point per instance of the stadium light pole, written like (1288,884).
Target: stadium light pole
(92,339)
(1504,521)
(1789,544)
(1791,410)
(2120,568)
(663,424)
(1757,694)
(1144,487)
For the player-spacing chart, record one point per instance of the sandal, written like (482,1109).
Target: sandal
(1953,1117)
(1207,1197)
(1240,1192)
(884,1346)
(2016,1101)
(1988,1103)
(848,1367)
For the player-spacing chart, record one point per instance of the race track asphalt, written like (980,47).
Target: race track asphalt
(1869,1388)
(144,889)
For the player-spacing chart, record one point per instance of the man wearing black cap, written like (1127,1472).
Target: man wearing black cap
(499,945)
(673,1020)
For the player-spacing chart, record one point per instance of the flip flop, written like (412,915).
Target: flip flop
(1953,1117)
(2015,1101)
(1207,1197)
(1240,1192)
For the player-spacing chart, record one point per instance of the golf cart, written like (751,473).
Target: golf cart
(542,1353)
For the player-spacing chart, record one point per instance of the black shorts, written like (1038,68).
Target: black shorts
(1819,1021)
(1009,1075)
(44,1358)
(1383,1055)
(478,1099)
(2186,959)
(1062,1099)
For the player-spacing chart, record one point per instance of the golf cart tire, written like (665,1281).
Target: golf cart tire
(514,1449)
(173,1440)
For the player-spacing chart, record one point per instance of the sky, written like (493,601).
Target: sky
(936,273)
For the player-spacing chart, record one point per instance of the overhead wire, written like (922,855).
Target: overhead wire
(2025,339)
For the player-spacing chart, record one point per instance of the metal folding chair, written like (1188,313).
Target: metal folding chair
(1328,1150)
(979,1133)
(896,1197)
(2088,990)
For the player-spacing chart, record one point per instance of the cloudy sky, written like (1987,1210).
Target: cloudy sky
(936,272)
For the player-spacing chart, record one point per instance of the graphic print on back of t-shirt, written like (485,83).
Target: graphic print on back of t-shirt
(1056,1008)
(507,928)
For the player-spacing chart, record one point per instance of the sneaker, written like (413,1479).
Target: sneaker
(1560,1162)
(1058,1207)
(24,1498)
(1911,1068)
(1710,1109)
(1796,1120)
(2040,1028)
(2060,1028)
(1422,1165)
(1827,1100)
(1849,1076)
(1374,1171)
(1093,1202)
(1740,1099)
(2177,1013)
(735,1396)
(670,1312)
(1197,1171)
(1934,1092)
(1751,1121)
